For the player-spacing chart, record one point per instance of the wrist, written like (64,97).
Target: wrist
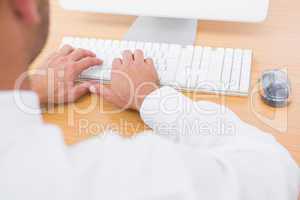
(141,98)
(42,98)
(39,91)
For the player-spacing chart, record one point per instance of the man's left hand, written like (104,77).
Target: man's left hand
(55,80)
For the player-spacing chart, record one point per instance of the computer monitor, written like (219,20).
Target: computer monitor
(173,21)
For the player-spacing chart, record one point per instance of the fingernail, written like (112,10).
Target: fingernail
(92,89)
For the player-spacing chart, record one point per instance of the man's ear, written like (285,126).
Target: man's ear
(27,11)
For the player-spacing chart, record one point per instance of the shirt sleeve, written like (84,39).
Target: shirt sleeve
(171,114)
(255,158)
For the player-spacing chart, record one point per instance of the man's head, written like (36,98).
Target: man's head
(24,28)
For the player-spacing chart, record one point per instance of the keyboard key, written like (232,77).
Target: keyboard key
(67,40)
(131,45)
(116,45)
(100,44)
(215,68)
(197,57)
(246,71)
(187,57)
(140,45)
(182,75)
(107,45)
(175,51)
(236,70)
(123,46)
(205,63)
(184,64)
(156,47)
(164,48)
(226,72)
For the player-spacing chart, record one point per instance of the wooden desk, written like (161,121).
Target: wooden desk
(276,43)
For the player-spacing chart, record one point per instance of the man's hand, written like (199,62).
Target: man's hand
(55,80)
(133,78)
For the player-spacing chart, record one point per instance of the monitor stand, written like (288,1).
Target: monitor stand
(163,30)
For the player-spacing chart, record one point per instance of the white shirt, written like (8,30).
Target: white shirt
(199,150)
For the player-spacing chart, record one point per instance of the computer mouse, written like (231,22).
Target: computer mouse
(275,88)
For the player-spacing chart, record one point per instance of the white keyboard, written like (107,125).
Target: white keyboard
(190,68)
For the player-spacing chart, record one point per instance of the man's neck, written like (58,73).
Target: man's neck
(12,56)
(10,75)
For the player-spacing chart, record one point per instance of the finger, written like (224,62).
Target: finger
(116,63)
(66,50)
(149,61)
(86,63)
(78,91)
(79,54)
(139,56)
(107,93)
(99,88)
(53,56)
(127,57)
(150,64)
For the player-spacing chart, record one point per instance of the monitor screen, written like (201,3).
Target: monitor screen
(224,10)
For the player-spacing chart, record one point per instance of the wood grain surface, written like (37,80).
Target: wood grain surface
(275,42)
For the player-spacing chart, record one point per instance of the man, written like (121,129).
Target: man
(174,161)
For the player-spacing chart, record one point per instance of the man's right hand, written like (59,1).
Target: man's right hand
(133,78)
